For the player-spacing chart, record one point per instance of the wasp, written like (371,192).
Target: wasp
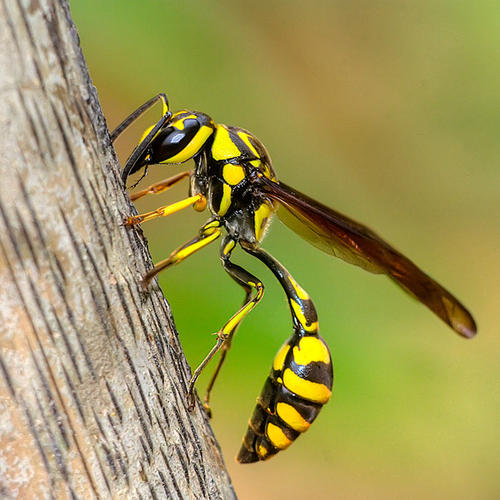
(234,179)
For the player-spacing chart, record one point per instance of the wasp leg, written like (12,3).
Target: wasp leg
(301,376)
(166,210)
(224,336)
(206,400)
(208,233)
(138,112)
(224,348)
(162,186)
(225,250)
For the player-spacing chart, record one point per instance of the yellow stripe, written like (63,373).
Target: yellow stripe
(302,294)
(229,247)
(312,328)
(177,114)
(292,417)
(145,133)
(195,144)
(255,285)
(233,174)
(185,252)
(261,217)
(279,360)
(179,205)
(223,147)
(277,436)
(267,171)
(233,322)
(164,105)
(214,223)
(262,452)
(245,138)
(225,202)
(311,349)
(179,124)
(229,326)
(299,313)
(312,391)
(169,209)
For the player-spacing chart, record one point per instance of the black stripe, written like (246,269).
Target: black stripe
(145,450)
(50,400)
(290,433)
(183,464)
(104,475)
(140,415)
(56,450)
(316,371)
(36,436)
(6,377)
(73,393)
(171,474)
(164,484)
(112,396)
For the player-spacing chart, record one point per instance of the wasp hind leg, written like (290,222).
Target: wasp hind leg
(252,286)
(301,376)
(241,278)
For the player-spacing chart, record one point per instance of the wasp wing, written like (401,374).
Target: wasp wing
(349,240)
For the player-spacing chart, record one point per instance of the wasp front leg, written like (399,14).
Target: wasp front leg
(300,381)
(254,290)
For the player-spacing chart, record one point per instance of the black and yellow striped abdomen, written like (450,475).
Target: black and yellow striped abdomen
(298,386)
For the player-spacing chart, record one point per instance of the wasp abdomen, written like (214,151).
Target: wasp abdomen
(298,386)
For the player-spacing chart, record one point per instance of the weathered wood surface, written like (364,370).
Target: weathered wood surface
(92,377)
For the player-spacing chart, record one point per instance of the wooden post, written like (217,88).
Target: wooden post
(92,377)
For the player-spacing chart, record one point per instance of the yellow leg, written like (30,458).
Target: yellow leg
(224,348)
(224,338)
(206,400)
(165,210)
(225,335)
(208,233)
(161,186)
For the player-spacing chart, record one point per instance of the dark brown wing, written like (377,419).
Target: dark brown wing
(342,237)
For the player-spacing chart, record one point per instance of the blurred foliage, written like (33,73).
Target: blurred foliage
(387,111)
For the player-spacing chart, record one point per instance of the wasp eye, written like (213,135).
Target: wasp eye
(173,140)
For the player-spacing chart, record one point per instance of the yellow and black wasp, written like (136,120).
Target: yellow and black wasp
(234,178)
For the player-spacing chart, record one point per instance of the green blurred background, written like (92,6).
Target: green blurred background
(386,111)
